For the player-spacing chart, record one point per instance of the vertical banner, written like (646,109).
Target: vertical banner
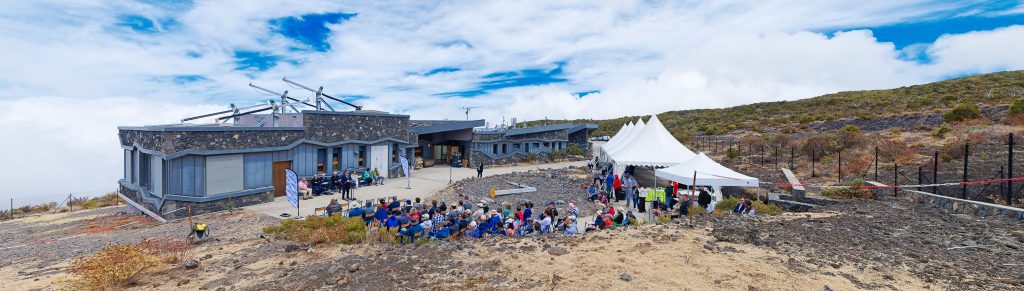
(291,187)
(405,165)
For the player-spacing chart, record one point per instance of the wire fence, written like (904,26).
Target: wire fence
(974,159)
(17,207)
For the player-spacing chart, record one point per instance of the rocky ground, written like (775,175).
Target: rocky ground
(946,251)
(557,185)
(853,245)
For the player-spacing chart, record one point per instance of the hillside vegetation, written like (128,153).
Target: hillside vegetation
(995,89)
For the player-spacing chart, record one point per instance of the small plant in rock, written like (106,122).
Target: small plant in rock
(531,157)
(694,211)
(941,130)
(113,267)
(727,204)
(574,150)
(168,250)
(556,155)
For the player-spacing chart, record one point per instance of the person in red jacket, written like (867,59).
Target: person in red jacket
(617,185)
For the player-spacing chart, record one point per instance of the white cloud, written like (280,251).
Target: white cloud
(62,69)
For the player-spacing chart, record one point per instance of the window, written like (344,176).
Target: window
(321,160)
(504,148)
(547,145)
(336,158)
(144,171)
(395,148)
(494,149)
(361,156)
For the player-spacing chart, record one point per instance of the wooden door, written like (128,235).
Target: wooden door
(279,177)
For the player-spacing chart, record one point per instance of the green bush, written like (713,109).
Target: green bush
(556,155)
(965,111)
(1017,107)
(531,157)
(727,204)
(941,130)
(768,209)
(851,128)
(695,210)
(318,229)
(574,150)
(849,193)
(733,153)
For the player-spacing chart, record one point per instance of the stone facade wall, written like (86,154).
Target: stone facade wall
(321,127)
(216,205)
(561,134)
(170,142)
(487,137)
(581,138)
(197,207)
(954,205)
(329,127)
(476,156)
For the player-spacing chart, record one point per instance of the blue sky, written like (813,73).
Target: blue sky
(125,62)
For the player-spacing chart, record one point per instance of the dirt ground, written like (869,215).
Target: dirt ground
(859,245)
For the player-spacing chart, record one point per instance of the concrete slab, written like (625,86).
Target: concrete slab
(424,183)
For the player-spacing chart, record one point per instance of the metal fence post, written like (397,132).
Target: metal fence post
(920,175)
(792,155)
(762,155)
(1009,172)
(935,173)
(776,149)
(876,163)
(839,159)
(812,163)
(895,179)
(967,152)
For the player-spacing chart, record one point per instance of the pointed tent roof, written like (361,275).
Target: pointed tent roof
(651,146)
(619,135)
(709,173)
(628,138)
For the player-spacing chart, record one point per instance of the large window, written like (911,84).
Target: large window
(336,158)
(144,171)
(494,149)
(321,160)
(361,156)
(395,149)
(504,148)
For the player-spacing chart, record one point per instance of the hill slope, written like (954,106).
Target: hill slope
(988,90)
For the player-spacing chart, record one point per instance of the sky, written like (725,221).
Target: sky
(74,70)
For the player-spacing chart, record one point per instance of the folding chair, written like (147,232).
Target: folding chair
(321,211)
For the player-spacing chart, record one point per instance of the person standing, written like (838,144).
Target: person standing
(627,187)
(480,170)
(704,199)
(608,181)
(617,187)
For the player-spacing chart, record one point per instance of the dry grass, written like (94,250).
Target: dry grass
(113,267)
(318,230)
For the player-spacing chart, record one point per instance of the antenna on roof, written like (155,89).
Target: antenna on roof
(234,111)
(320,94)
(467,108)
(282,95)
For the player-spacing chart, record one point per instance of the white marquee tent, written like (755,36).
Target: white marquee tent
(623,131)
(708,172)
(626,139)
(652,145)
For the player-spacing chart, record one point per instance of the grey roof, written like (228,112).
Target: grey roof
(435,126)
(570,127)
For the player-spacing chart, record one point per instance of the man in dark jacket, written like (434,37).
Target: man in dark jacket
(334,182)
(480,170)
(333,207)
(704,199)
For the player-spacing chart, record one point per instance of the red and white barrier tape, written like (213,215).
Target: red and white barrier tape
(965,183)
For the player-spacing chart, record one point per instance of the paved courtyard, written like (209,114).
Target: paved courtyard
(423,183)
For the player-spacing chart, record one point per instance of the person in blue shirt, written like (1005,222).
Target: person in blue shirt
(442,232)
(592,192)
(355,211)
(391,222)
(380,214)
(608,182)
(528,211)
(394,206)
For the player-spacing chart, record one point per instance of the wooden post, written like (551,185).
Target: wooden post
(839,159)
(812,162)
(876,163)
(895,179)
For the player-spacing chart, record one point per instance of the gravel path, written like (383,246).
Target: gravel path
(558,185)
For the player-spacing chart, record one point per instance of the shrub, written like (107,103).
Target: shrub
(556,155)
(727,204)
(849,193)
(733,153)
(941,130)
(113,267)
(531,157)
(168,250)
(762,208)
(962,112)
(319,229)
(695,210)
(574,150)
(1017,107)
